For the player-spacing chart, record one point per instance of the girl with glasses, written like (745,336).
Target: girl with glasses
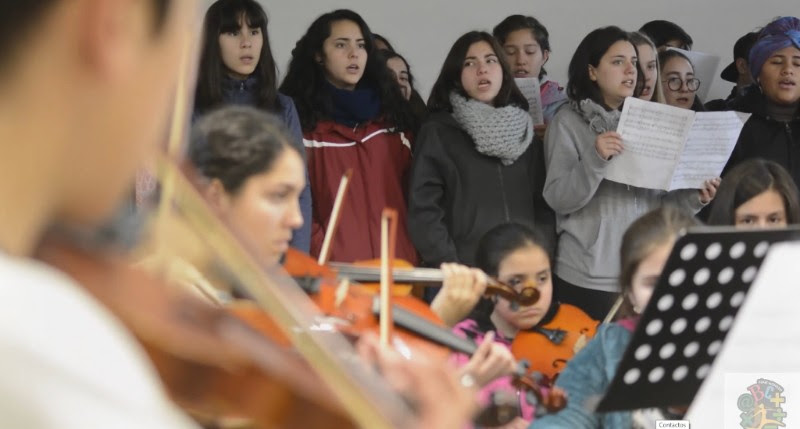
(678,81)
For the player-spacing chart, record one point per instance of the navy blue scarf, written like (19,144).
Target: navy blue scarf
(354,107)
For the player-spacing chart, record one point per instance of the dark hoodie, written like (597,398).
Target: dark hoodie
(764,136)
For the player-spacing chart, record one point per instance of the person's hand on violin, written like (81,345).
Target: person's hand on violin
(441,398)
(490,361)
(461,289)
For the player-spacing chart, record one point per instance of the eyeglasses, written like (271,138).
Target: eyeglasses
(675,83)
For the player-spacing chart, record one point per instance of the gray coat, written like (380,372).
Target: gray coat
(592,213)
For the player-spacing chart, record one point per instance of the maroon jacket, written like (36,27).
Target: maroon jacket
(380,159)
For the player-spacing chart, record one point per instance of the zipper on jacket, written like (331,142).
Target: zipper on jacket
(241,86)
(503,189)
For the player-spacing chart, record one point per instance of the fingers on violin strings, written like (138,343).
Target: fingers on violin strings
(497,363)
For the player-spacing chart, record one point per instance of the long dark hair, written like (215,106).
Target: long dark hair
(384,55)
(589,52)
(449,79)
(305,80)
(222,17)
(233,143)
(746,181)
(520,22)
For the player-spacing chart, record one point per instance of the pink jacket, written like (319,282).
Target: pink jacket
(468,328)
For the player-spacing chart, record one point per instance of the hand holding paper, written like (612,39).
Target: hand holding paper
(608,144)
(671,148)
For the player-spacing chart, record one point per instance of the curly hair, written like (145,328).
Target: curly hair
(305,79)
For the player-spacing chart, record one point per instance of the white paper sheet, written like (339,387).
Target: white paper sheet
(708,147)
(666,147)
(653,136)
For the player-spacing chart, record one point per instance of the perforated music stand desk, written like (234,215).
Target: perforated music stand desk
(704,283)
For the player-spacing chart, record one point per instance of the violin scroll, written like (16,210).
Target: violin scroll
(548,398)
(529,295)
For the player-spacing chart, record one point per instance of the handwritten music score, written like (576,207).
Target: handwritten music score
(666,147)
(530,88)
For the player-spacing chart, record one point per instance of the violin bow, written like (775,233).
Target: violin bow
(388,242)
(614,310)
(190,56)
(333,222)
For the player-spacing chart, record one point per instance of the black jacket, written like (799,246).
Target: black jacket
(767,138)
(457,194)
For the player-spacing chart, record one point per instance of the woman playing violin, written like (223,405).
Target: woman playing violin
(252,178)
(513,254)
(72,141)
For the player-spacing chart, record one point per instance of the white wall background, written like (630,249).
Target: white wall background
(424,30)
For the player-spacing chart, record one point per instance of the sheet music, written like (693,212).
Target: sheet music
(711,140)
(529,86)
(653,135)
(705,69)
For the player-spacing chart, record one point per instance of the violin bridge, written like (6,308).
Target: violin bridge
(341,292)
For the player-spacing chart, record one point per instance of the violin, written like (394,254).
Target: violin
(550,346)
(365,271)
(417,320)
(212,362)
(368,271)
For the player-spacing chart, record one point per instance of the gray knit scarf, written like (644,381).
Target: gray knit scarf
(500,132)
(599,119)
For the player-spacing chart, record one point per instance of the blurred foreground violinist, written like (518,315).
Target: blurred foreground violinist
(72,141)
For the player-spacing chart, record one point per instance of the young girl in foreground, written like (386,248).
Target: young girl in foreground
(646,246)
(513,254)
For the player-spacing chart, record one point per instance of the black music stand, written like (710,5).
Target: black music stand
(704,283)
